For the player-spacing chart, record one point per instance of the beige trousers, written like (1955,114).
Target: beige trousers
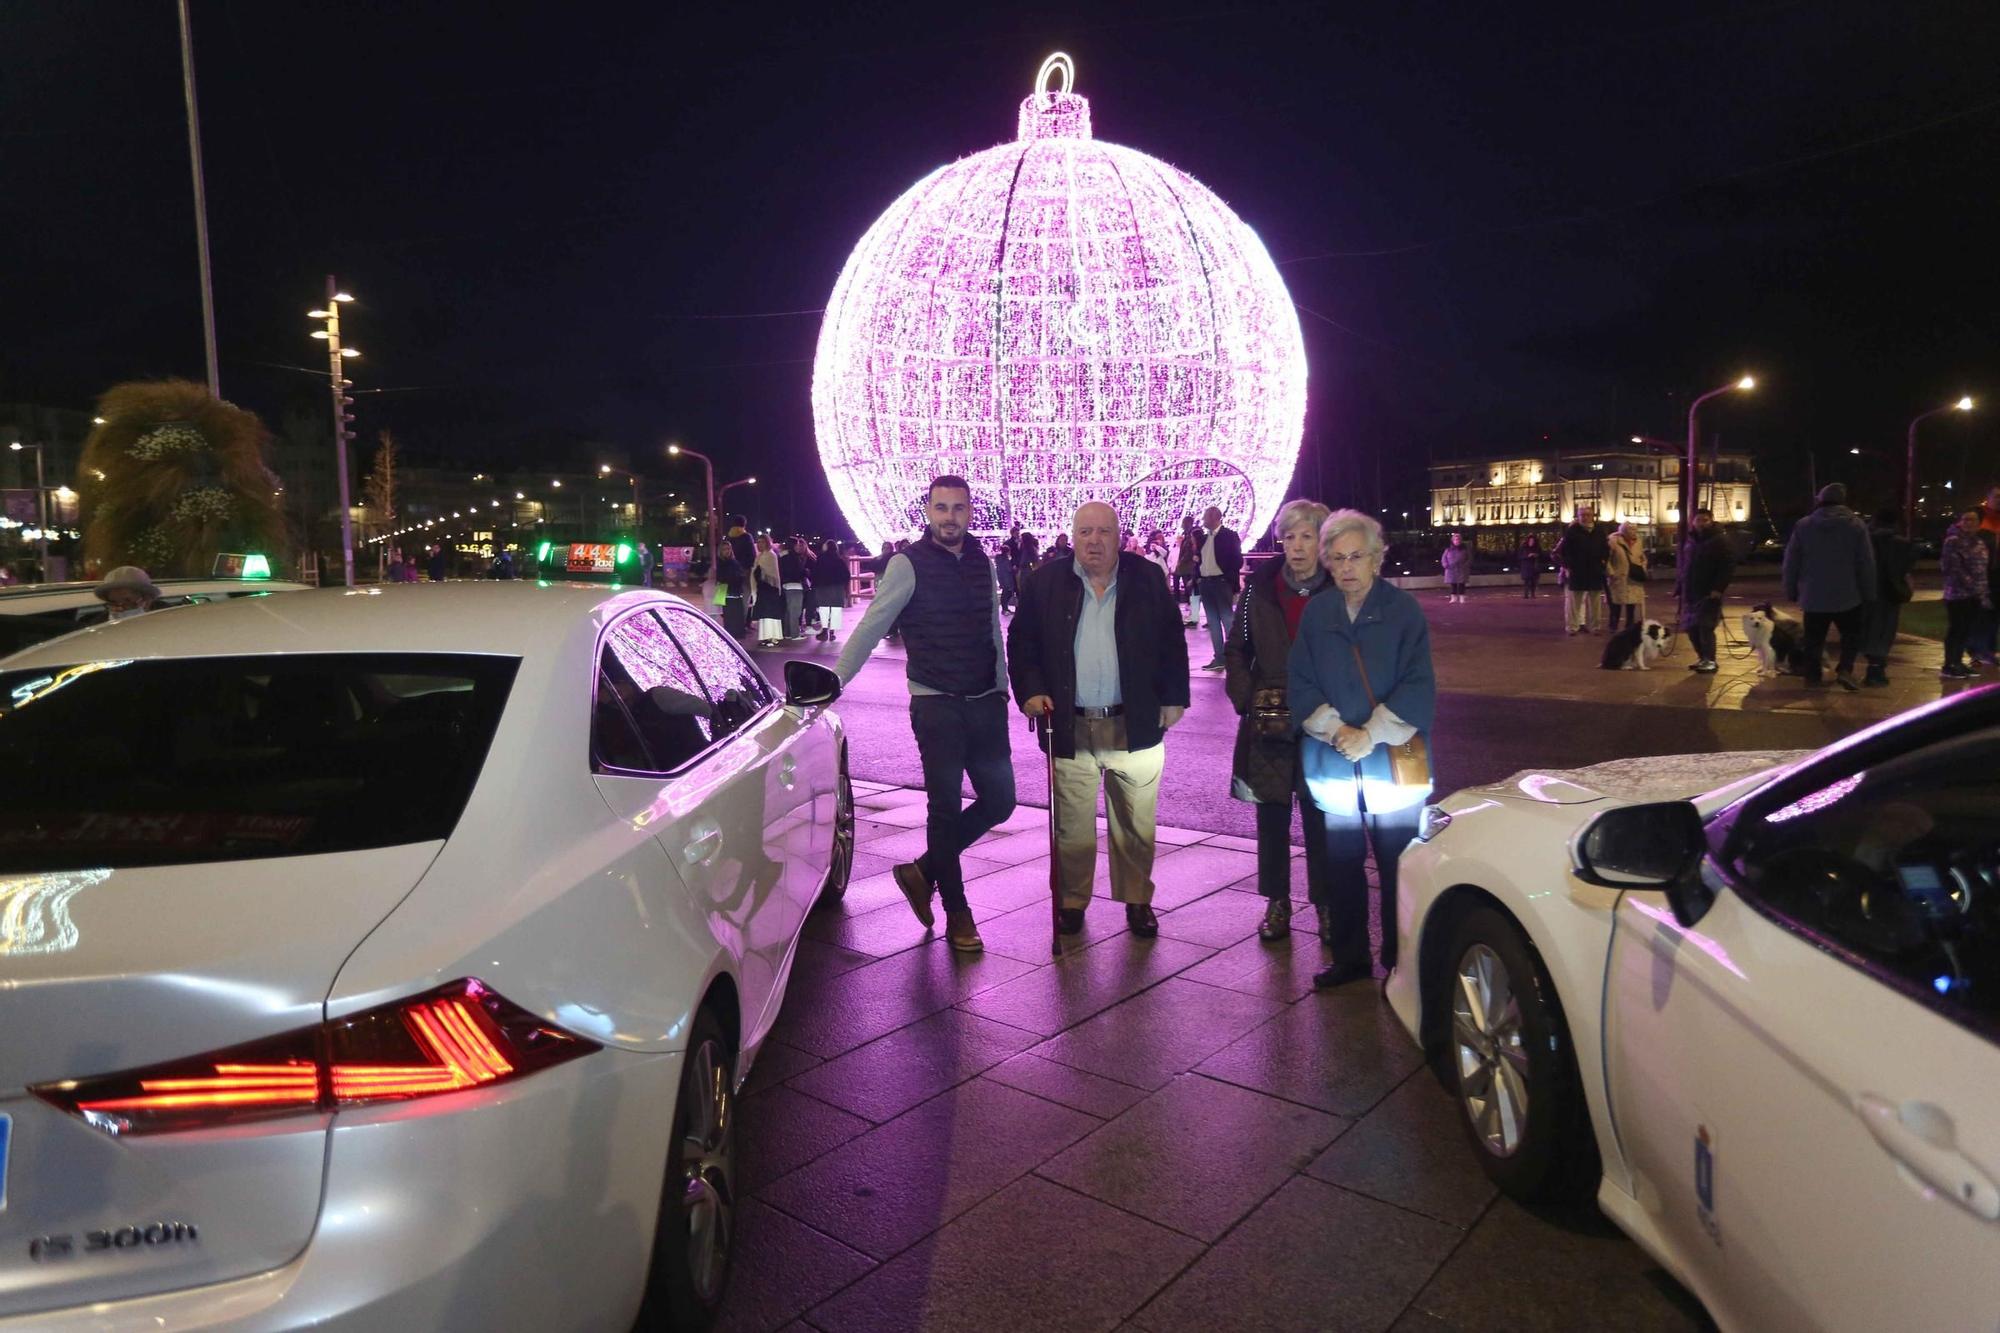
(1131,783)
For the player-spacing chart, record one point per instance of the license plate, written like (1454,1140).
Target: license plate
(6,1134)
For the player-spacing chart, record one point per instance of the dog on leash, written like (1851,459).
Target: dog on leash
(1776,639)
(1637,647)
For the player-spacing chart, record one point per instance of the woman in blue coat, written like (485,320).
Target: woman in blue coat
(1350,721)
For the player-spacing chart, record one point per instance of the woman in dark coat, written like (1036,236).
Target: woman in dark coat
(1266,767)
(1532,559)
(1361,683)
(830,576)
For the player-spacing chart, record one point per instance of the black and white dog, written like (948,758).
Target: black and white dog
(1777,640)
(1637,647)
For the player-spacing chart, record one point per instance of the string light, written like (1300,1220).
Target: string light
(1059,319)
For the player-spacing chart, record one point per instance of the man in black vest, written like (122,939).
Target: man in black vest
(941,594)
(1098,649)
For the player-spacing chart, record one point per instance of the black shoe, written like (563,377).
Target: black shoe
(1847,682)
(1277,923)
(1815,682)
(1875,680)
(1340,974)
(1140,920)
(1955,673)
(1325,915)
(1069,920)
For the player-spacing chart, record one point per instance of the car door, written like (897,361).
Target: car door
(1804,1082)
(669,756)
(798,765)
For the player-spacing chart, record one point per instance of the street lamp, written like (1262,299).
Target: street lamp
(714,518)
(335,355)
(638,512)
(41,509)
(1910,462)
(1690,493)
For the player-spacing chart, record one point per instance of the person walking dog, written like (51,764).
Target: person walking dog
(1625,577)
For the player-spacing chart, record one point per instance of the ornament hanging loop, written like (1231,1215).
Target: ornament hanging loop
(1058,64)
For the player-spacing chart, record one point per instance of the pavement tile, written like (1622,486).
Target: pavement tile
(1086,1092)
(1411,1152)
(1015,848)
(890,797)
(901,1181)
(1311,1257)
(865,894)
(857,1007)
(1025,819)
(912,1064)
(882,931)
(1166,835)
(781,1130)
(1163,1032)
(866,866)
(1188,873)
(1219,920)
(776,1062)
(1016,886)
(1282,970)
(816,962)
(769,1244)
(1196,1155)
(907,816)
(905,844)
(1033,1257)
(1584,1274)
(1083,982)
(1342,1053)
(1234,843)
(1026,932)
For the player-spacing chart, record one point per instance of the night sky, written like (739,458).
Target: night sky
(576,232)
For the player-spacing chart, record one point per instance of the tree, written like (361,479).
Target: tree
(378,494)
(173,476)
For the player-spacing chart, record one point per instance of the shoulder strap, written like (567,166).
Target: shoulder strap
(1360,666)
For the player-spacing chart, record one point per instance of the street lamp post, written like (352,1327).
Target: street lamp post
(1910,463)
(714,518)
(335,355)
(1690,494)
(638,505)
(41,509)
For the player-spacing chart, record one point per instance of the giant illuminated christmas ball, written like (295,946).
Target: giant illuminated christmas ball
(1059,319)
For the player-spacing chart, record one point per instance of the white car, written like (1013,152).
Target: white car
(390,958)
(1763,1025)
(33,613)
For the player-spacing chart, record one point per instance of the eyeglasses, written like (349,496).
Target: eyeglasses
(1353,557)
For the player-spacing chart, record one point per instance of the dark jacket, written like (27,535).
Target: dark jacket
(1395,643)
(1228,553)
(947,625)
(1708,565)
(1829,563)
(1533,561)
(1152,648)
(1582,553)
(1259,658)
(792,568)
(1894,556)
(829,579)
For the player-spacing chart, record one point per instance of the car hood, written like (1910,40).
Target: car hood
(1676,777)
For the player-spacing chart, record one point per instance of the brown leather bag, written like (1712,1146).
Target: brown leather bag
(1410,762)
(1270,716)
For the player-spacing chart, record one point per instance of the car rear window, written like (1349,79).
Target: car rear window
(135,763)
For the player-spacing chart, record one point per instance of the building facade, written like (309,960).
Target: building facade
(1632,485)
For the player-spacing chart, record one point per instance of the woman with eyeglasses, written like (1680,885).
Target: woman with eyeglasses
(1361,683)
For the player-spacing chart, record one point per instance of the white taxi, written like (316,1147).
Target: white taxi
(1762,1024)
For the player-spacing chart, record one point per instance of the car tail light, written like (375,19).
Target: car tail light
(458,1036)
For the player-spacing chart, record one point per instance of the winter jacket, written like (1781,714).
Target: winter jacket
(829,579)
(1894,555)
(1228,553)
(1621,588)
(1533,559)
(1582,553)
(1457,563)
(770,599)
(1964,563)
(1395,644)
(1829,562)
(1259,658)
(1152,648)
(1708,562)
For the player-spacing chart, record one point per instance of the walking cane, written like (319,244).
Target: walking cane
(1055,870)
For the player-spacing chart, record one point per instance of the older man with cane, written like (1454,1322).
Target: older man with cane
(1096,648)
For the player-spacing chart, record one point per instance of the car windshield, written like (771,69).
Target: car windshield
(136,763)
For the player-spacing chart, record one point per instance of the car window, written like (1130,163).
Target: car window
(651,713)
(735,688)
(1898,868)
(180,761)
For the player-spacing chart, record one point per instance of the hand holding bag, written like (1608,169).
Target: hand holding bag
(1270,716)
(1410,762)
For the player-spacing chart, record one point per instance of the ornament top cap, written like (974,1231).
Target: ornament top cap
(1054,114)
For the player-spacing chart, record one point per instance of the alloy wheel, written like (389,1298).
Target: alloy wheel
(708,1151)
(843,830)
(1486,1041)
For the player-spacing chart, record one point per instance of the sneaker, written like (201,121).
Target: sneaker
(1704,668)
(960,929)
(916,887)
(1955,673)
(1216,665)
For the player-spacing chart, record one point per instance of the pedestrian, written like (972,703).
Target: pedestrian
(1187,571)
(1004,575)
(1531,558)
(1981,643)
(1966,567)
(437,563)
(1582,553)
(792,578)
(1095,650)
(737,551)
(127,591)
(830,577)
(1708,561)
(769,606)
(1030,554)
(942,592)
(1829,571)
(393,574)
(1156,550)
(1265,766)
(645,565)
(1625,577)
(1221,563)
(1457,564)
(1894,556)
(1362,690)
(502,567)
(1059,550)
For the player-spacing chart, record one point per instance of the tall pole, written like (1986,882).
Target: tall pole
(42,509)
(1910,463)
(1690,494)
(200,202)
(340,432)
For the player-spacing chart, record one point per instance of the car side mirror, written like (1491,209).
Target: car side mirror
(808,685)
(1654,846)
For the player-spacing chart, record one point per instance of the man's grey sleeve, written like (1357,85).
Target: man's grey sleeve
(999,638)
(892,594)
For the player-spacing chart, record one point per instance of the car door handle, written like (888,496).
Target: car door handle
(704,846)
(1922,1138)
(788,772)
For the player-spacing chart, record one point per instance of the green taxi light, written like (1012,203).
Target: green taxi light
(624,553)
(256,567)
(543,553)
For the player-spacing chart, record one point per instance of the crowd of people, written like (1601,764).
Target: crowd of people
(1327,664)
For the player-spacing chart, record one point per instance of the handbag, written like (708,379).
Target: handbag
(1270,716)
(1636,574)
(1410,762)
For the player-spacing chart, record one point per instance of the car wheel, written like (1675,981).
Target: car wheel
(696,1231)
(1511,1066)
(841,867)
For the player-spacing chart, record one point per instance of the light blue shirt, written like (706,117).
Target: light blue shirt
(1097,645)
